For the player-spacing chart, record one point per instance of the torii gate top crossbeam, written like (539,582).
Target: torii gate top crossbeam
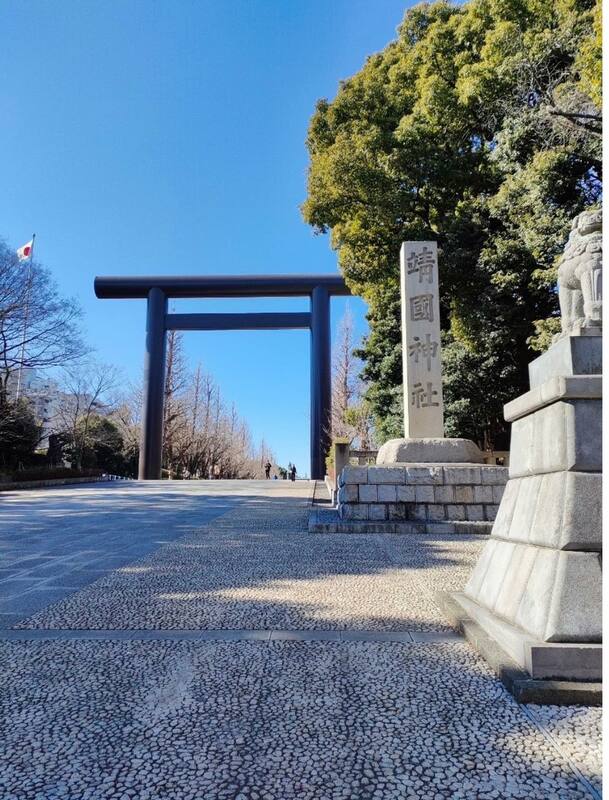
(218,285)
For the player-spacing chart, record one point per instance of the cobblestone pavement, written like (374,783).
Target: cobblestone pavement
(254,567)
(128,715)
(55,541)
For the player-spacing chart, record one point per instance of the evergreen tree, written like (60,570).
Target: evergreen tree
(479,127)
(19,435)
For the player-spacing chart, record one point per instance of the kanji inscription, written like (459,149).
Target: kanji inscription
(423,396)
(423,264)
(426,350)
(421,307)
(423,404)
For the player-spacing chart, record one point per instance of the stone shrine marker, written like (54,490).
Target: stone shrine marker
(424,441)
(462,496)
(423,404)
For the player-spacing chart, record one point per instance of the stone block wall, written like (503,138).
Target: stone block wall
(422,497)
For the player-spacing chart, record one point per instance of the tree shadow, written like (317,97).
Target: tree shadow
(259,568)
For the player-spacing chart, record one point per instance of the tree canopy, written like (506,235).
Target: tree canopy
(478,127)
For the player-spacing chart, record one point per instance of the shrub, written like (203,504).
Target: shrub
(42,474)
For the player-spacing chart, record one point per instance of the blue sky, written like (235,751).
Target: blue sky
(168,138)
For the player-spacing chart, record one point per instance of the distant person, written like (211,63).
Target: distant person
(267,470)
(293,472)
(274,477)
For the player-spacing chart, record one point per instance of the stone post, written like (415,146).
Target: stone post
(341,459)
(424,440)
(423,405)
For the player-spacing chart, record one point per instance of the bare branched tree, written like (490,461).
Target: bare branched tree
(175,425)
(38,327)
(202,438)
(127,418)
(344,378)
(87,390)
(351,416)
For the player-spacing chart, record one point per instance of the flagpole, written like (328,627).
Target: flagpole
(26,317)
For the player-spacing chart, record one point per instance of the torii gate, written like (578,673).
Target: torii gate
(157,290)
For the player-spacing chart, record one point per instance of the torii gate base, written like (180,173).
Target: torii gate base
(157,290)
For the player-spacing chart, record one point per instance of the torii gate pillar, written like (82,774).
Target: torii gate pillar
(151,445)
(321,381)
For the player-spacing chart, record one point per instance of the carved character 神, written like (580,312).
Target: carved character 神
(580,275)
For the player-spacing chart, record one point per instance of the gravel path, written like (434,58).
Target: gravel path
(256,567)
(577,732)
(267,720)
(180,719)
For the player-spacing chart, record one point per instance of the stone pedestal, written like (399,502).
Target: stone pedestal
(429,451)
(419,498)
(571,355)
(536,589)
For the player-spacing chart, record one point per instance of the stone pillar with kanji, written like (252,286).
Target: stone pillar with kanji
(424,482)
(424,440)
(423,405)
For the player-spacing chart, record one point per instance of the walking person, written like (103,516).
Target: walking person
(293,472)
(267,470)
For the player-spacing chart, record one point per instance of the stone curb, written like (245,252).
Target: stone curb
(516,680)
(328,521)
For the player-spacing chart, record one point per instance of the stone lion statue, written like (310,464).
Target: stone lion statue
(580,272)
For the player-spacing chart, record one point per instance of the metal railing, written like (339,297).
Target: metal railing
(362,457)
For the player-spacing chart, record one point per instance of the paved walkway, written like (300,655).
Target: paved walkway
(192,640)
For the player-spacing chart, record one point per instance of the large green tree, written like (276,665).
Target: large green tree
(479,127)
(97,443)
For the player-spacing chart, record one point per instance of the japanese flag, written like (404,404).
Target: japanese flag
(25,252)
